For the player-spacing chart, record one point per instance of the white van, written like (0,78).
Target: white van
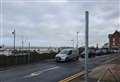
(67,54)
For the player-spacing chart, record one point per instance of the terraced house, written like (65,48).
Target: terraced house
(114,40)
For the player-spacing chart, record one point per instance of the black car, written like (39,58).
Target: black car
(99,52)
(91,53)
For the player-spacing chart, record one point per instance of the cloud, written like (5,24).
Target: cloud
(55,22)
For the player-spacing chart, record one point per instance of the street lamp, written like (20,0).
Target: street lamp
(86,44)
(29,53)
(77,44)
(77,40)
(14,36)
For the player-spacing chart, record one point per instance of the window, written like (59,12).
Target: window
(74,52)
(113,39)
(113,43)
(70,52)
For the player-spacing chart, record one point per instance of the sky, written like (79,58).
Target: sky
(46,23)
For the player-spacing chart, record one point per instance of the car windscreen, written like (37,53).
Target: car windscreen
(64,52)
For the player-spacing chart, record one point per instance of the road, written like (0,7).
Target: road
(48,70)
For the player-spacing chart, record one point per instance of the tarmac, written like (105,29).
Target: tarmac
(109,71)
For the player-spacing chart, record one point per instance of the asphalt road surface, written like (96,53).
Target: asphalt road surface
(48,70)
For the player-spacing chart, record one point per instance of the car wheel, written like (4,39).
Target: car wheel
(77,58)
(67,59)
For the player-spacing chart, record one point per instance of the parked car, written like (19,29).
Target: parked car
(66,55)
(91,53)
(103,51)
(99,52)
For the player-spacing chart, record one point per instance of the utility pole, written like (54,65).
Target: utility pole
(86,44)
(29,53)
(22,47)
(14,35)
(77,40)
(77,44)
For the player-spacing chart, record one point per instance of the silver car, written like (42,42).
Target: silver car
(66,55)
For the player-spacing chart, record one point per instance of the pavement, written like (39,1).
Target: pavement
(49,70)
(100,71)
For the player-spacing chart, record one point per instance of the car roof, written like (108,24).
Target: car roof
(68,49)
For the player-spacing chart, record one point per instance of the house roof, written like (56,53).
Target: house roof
(114,34)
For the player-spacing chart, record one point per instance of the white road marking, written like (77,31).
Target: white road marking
(40,72)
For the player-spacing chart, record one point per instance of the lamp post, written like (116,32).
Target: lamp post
(77,40)
(29,53)
(86,44)
(14,36)
(22,48)
(77,44)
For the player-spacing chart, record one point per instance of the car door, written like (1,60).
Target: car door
(74,53)
(70,54)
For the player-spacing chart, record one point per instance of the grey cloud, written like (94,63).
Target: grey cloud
(59,21)
(112,15)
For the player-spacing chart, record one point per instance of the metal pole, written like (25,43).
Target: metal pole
(86,44)
(22,47)
(77,41)
(15,45)
(77,44)
(14,38)
(1,21)
(29,54)
(14,34)
(73,43)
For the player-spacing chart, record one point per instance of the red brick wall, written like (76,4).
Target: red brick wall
(114,40)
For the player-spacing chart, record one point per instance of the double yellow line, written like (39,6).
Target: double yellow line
(68,79)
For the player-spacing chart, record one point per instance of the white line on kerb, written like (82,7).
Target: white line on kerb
(40,72)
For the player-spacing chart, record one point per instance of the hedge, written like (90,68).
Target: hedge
(29,57)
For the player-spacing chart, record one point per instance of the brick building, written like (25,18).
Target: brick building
(114,40)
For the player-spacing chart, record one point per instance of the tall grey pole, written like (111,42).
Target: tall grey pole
(29,54)
(73,43)
(77,44)
(77,40)
(14,40)
(86,44)
(14,33)
(22,47)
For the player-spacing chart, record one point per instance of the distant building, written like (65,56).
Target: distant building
(114,40)
(106,45)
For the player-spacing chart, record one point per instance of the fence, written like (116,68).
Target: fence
(24,59)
